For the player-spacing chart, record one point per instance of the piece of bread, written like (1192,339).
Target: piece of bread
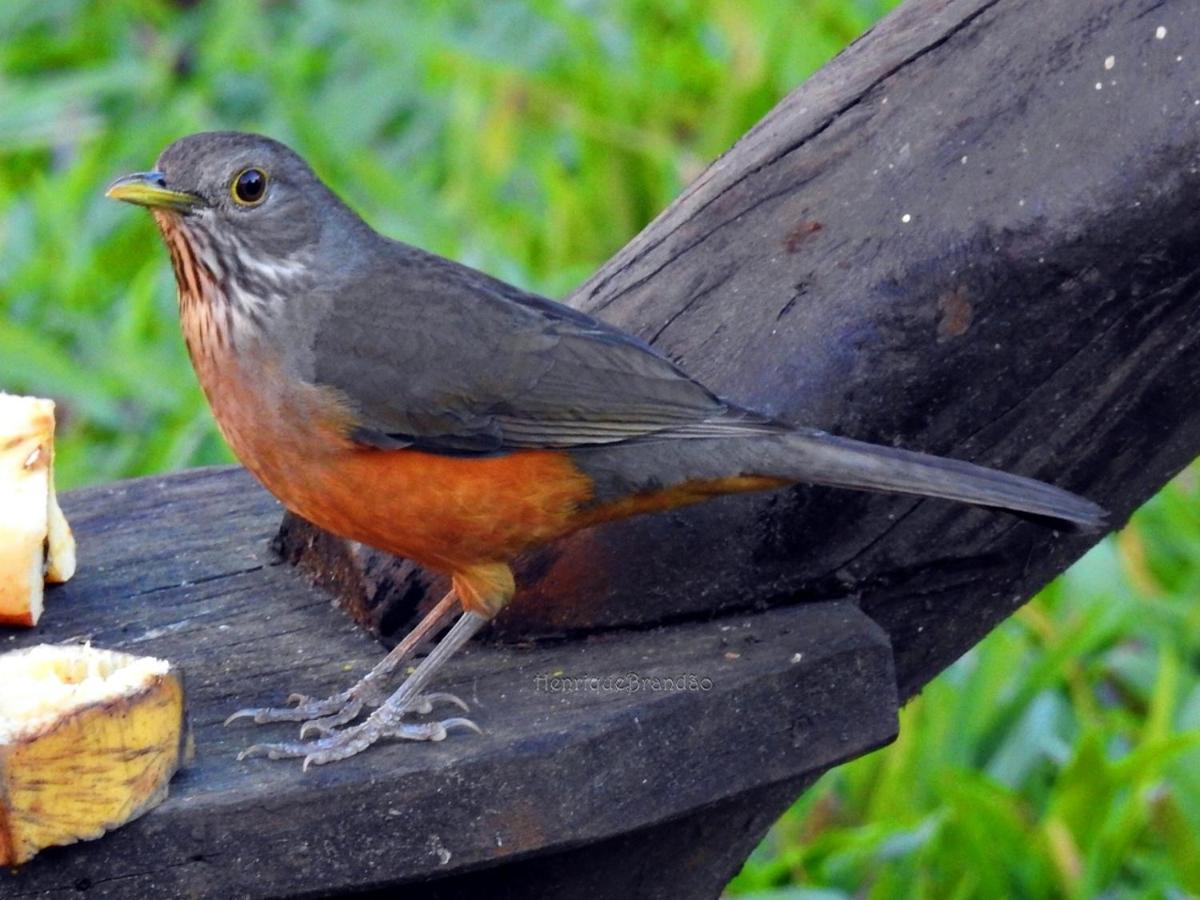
(36,544)
(89,739)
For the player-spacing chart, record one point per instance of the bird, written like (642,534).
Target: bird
(416,405)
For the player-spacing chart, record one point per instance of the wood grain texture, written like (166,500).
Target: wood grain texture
(965,235)
(180,567)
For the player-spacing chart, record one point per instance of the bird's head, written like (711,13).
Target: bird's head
(249,227)
(238,191)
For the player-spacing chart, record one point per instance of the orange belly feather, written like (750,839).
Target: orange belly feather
(450,513)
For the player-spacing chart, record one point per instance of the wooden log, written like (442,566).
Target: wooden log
(574,773)
(970,234)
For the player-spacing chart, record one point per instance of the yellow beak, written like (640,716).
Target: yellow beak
(150,189)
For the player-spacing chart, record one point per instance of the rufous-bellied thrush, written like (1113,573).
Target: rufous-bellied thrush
(411,403)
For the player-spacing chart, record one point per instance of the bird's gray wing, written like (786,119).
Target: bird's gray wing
(439,357)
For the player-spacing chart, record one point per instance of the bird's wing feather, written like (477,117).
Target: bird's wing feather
(440,357)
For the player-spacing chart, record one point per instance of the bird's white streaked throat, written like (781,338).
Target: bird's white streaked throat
(226,293)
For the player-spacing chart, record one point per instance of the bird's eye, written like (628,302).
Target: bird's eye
(250,187)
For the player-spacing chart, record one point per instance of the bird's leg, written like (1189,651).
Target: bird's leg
(344,706)
(483,591)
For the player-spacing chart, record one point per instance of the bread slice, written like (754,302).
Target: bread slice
(89,739)
(36,544)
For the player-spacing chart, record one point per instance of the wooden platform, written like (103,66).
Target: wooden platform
(180,567)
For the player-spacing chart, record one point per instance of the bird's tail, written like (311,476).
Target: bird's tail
(819,458)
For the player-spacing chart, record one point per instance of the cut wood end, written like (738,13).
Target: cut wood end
(89,739)
(36,544)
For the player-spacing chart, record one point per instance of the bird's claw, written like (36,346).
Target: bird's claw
(336,709)
(342,709)
(302,709)
(347,742)
(423,705)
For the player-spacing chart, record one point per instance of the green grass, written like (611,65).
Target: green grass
(533,139)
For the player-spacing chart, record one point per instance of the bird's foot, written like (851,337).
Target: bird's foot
(337,742)
(344,706)
(387,721)
(322,717)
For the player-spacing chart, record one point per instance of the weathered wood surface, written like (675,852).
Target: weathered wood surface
(179,567)
(966,235)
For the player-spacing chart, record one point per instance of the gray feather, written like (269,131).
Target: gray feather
(809,456)
(439,357)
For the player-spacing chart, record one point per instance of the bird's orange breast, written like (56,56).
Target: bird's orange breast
(446,512)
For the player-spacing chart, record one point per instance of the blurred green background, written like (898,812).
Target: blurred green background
(533,139)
